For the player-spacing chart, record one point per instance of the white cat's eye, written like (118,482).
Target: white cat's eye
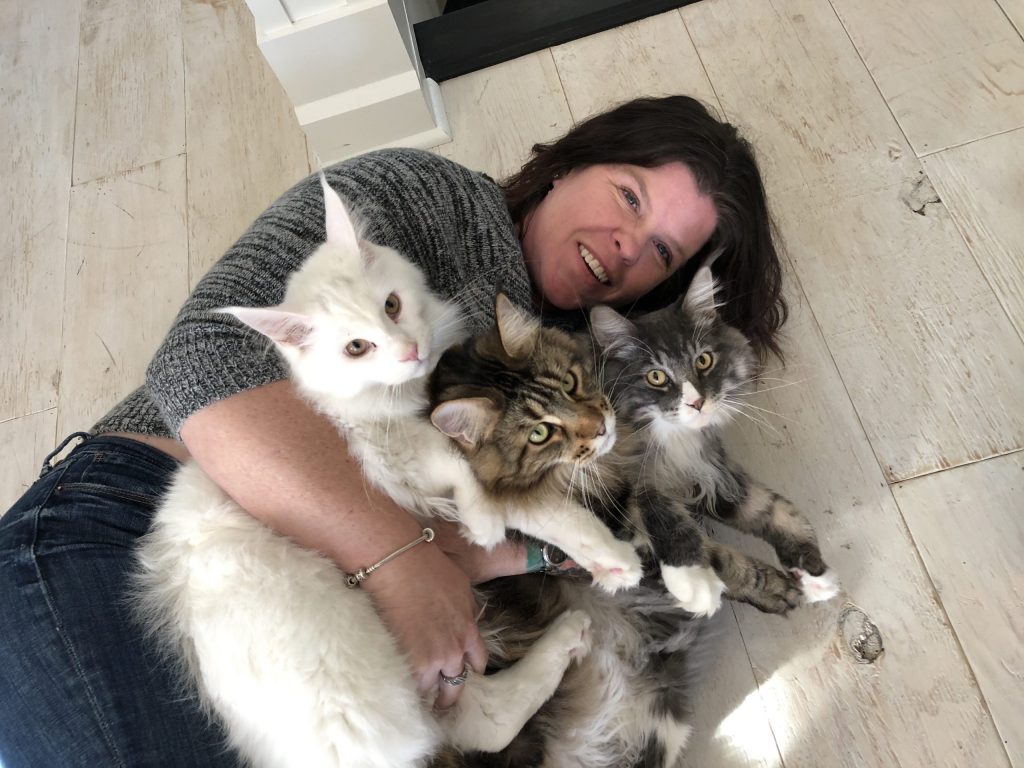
(392,306)
(704,361)
(540,434)
(657,378)
(569,383)
(357,347)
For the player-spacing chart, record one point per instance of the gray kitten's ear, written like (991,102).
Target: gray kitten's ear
(518,330)
(700,296)
(289,329)
(468,420)
(609,327)
(340,229)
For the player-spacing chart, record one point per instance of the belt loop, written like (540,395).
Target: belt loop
(47,466)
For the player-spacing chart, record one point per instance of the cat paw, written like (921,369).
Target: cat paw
(485,532)
(571,634)
(772,591)
(696,587)
(817,588)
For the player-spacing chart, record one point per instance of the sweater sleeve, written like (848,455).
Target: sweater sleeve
(450,221)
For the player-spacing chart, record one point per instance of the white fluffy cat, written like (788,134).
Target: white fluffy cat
(300,668)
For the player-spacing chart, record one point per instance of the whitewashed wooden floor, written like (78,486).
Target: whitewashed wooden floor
(144,135)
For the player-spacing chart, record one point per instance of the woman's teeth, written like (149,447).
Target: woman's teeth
(593,264)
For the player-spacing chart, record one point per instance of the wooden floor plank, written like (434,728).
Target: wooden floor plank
(245,146)
(38,95)
(967,523)
(982,185)
(497,114)
(902,303)
(661,62)
(26,440)
(1014,10)
(918,703)
(951,71)
(130,86)
(127,275)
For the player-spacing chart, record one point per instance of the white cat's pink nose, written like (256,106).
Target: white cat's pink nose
(412,355)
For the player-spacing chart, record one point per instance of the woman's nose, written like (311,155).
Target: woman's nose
(627,247)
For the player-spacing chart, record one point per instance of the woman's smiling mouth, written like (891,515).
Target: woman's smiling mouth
(593,265)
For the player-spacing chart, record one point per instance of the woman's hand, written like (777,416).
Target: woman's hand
(426,601)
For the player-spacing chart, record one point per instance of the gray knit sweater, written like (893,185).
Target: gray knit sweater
(449,220)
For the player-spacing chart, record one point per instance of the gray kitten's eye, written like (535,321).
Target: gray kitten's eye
(657,378)
(357,347)
(540,434)
(704,361)
(392,306)
(569,382)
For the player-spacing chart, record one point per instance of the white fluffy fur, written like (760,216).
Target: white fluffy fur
(300,668)
(697,588)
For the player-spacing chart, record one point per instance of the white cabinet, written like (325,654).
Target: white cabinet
(351,71)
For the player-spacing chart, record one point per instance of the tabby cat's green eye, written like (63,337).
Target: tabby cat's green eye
(704,361)
(540,434)
(392,306)
(357,347)
(657,378)
(569,383)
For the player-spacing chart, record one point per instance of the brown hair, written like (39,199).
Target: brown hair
(654,131)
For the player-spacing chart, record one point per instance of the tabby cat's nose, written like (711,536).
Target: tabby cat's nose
(600,429)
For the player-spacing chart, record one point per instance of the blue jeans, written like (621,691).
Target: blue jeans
(79,686)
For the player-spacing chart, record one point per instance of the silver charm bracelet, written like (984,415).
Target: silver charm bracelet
(357,578)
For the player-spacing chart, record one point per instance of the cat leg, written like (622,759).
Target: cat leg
(679,546)
(754,581)
(614,564)
(774,518)
(494,708)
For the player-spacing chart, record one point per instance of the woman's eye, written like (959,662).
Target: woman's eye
(704,361)
(631,199)
(357,347)
(392,306)
(540,434)
(569,383)
(664,252)
(657,378)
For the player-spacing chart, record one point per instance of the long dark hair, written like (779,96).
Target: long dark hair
(649,132)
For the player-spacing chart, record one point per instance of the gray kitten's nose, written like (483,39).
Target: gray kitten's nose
(696,404)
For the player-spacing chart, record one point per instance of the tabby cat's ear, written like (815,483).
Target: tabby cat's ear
(340,229)
(609,327)
(289,329)
(700,296)
(518,330)
(468,420)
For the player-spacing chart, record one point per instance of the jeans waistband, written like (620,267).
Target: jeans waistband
(92,445)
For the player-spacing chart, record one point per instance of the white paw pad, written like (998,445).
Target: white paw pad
(817,588)
(697,588)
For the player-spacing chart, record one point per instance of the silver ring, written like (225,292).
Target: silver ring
(459,679)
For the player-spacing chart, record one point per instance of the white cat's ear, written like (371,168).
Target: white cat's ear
(609,327)
(289,329)
(518,330)
(468,420)
(700,296)
(340,229)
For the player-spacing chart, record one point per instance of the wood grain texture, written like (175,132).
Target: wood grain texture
(904,308)
(127,275)
(497,114)
(951,71)
(26,440)
(918,703)
(982,186)
(1014,10)
(968,526)
(245,146)
(131,104)
(38,100)
(651,57)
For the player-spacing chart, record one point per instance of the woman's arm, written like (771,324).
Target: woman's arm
(289,467)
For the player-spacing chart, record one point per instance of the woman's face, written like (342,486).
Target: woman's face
(608,234)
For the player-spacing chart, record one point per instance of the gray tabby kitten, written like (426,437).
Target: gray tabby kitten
(674,376)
